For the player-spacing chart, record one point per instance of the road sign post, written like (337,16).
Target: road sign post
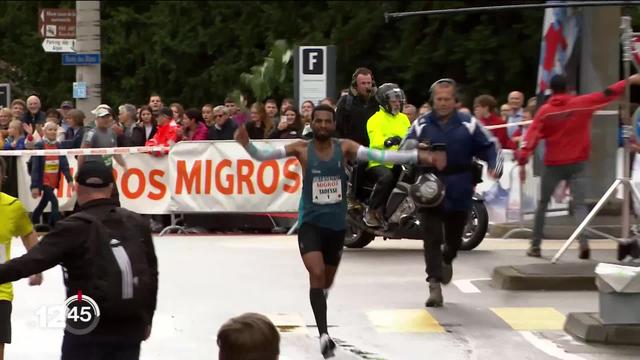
(57,23)
(59,45)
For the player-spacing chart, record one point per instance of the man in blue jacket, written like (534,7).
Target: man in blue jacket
(465,138)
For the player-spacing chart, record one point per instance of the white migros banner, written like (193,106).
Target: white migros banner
(203,176)
(143,188)
(195,177)
(221,177)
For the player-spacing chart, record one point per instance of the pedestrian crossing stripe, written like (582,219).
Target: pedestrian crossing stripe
(531,318)
(288,323)
(404,321)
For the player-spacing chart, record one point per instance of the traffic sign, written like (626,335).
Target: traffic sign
(80,90)
(314,73)
(81,59)
(57,23)
(59,45)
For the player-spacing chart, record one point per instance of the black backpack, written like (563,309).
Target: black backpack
(121,276)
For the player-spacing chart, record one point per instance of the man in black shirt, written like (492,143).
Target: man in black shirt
(71,245)
(223,127)
(354,109)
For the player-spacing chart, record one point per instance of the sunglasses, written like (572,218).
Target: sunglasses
(218,116)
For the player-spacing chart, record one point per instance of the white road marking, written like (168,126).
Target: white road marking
(465,285)
(548,347)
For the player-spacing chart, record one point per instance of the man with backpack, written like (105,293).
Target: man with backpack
(107,254)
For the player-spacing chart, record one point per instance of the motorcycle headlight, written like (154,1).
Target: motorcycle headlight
(427,191)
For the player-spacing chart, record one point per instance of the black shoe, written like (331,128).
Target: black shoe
(327,346)
(534,251)
(631,250)
(435,295)
(447,272)
(585,253)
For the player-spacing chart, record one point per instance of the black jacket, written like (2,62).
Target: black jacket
(225,133)
(286,134)
(39,118)
(352,114)
(72,141)
(256,132)
(139,136)
(67,245)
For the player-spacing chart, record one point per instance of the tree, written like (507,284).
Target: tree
(273,76)
(195,52)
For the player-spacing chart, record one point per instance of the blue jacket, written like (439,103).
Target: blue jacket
(37,168)
(465,138)
(19,144)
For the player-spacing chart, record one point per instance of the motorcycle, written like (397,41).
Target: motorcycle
(400,215)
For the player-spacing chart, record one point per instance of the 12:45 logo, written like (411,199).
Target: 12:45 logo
(79,315)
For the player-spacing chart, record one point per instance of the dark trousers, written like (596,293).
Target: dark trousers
(48,196)
(383,177)
(440,228)
(99,347)
(574,175)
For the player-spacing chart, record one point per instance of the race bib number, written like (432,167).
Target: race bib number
(327,190)
(52,166)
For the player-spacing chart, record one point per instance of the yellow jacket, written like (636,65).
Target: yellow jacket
(382,126)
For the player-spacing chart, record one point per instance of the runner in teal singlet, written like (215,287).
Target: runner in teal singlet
(323,205)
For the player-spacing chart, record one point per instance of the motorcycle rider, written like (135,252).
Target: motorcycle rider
(465,138)
(386,128)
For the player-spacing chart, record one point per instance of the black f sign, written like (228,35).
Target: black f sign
(313,61)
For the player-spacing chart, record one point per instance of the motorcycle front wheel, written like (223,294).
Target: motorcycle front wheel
(356,238)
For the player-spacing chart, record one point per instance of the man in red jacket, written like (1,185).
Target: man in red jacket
(166,133)
(565,123)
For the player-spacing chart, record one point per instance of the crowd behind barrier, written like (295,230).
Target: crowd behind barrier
(206,178)
(220,177)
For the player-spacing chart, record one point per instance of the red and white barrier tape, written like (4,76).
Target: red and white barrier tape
(98,151)
(491,127)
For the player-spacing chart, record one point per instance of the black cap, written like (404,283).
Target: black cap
(95,174)
(165,111)
(558,83)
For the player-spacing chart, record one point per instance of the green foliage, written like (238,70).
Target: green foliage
(264,80)
(196,52)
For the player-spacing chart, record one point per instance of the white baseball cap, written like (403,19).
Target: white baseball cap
(101,110)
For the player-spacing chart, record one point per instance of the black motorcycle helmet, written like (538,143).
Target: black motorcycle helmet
(387,92)
(427,191)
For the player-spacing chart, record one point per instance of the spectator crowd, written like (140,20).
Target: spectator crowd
(26,125)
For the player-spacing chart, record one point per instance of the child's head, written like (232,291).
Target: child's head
(15,128)
(5,117)
(527,113)
(249,336)
(50,130)
(53,116)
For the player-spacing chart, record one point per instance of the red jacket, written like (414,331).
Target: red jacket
(499,133)
(165,136)
(565,123)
